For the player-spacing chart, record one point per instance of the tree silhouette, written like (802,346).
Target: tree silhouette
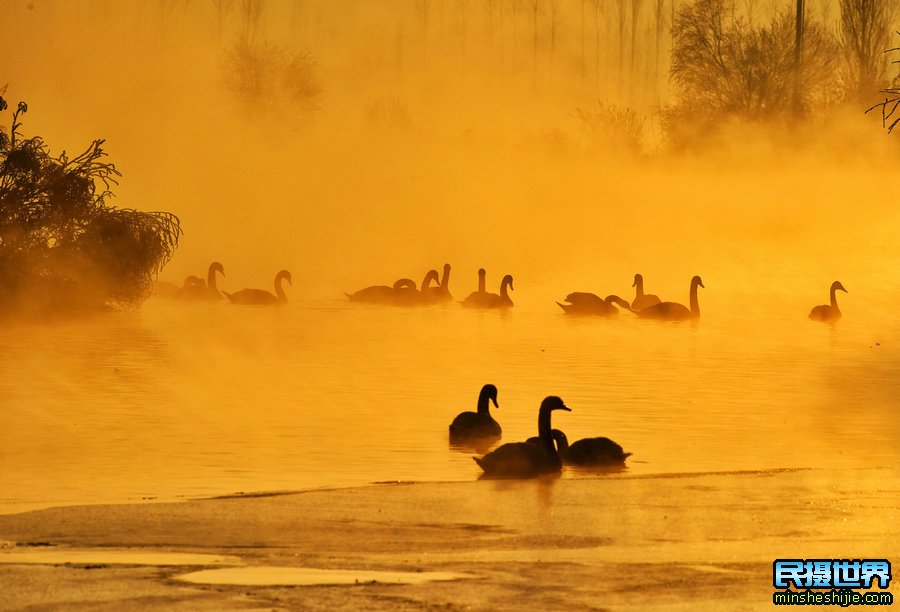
(62,246)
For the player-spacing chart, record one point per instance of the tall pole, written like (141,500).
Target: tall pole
(798,47)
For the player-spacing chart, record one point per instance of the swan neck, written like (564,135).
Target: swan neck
(639,288)
(279,291)
(445,278)
(484,404)
(482,282)
(211,279)
(695,303)
(834,297)
(545,433)
(504,288)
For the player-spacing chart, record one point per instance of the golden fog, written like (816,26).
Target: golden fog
(445,132)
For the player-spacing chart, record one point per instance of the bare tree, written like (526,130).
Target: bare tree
(725,69)
(864,34)
(223,8)
(583,62)
(535,6)
(251,12)
(635,17)
(553,26)
(891,102)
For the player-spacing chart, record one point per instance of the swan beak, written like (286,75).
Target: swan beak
(496,405)
(702,285)
(566,408)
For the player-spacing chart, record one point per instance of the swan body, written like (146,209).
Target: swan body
(672,311)
(642,300)
(469,426)
(483,299)
(590,304)
(260,297)
(198,290)
(378,294)
(524,460)
(828,312)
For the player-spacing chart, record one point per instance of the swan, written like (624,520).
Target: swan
(260,296)
(587,452)
(469,426)
(581,303)
(197,290)
(825,312)
(441,293)
(672,311)
(376,294)
(642,300)
(482,299)
(475,295)
(524,460)
(166,289)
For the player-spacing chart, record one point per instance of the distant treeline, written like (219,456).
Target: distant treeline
(695,64)
(63,248)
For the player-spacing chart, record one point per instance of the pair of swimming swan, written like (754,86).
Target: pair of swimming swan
(828,312)
(543,454)
(404,293)
(645,306)
(482,299)
(195,289)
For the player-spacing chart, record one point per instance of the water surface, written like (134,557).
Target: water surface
(185,400)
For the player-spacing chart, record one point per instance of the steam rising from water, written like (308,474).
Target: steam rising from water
(484,167)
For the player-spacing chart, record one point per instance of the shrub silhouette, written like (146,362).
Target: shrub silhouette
(63,248)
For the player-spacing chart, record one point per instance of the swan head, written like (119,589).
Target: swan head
(698,282)
(446,268)
(638,280)
(837,286)
(489,392)
(431,277)
(194,281)
(508,281)
(216,267)
(482,272)
(553,402)
(286,276)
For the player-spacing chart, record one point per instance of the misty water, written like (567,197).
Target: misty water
(482,162)
(186,399)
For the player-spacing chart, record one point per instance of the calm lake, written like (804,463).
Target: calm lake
(182,399)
